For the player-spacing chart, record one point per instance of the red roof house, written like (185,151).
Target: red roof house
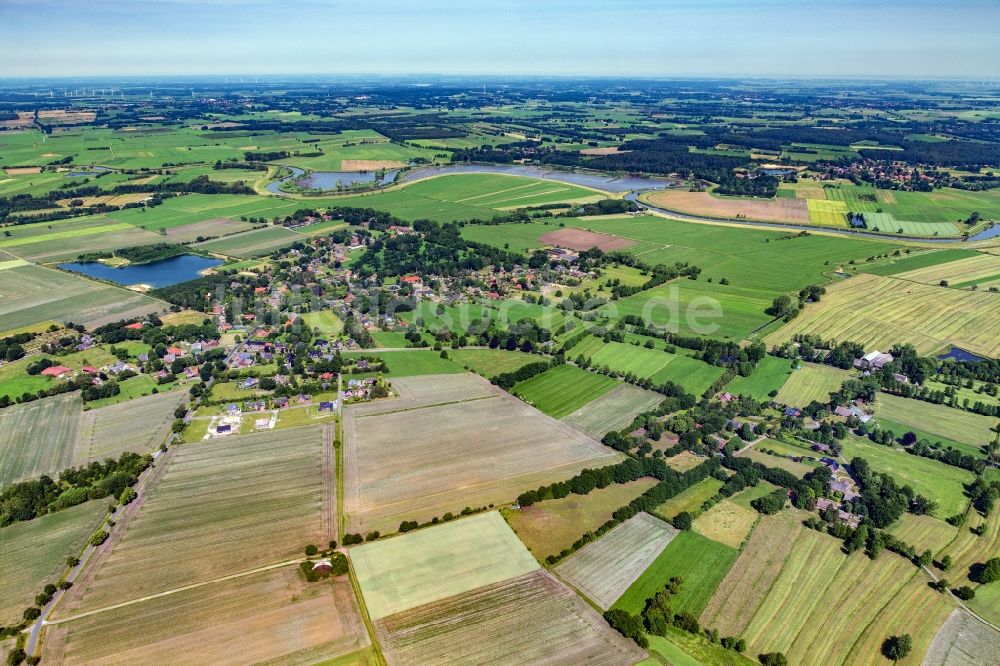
(56,371)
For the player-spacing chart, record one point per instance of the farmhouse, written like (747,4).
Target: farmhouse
(57,371)
(323,566)
(873,361)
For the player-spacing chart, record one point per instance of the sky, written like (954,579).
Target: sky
(643,38)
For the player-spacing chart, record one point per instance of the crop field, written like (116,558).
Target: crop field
(930,478)
(726,522)
(881,311)
(139,425)
(32,294)
(423,462)
(580,239)
(267,489)
(691,498)
(923,532)
(811,382)
(612,411)
(703,203)
(210,228)
(491,362)
(701,562)
(34,553)
(962,639)
(750,578)
(548,527)
(231,622)
(960,273)
(827,213)
(605,568)
(438,562)
(796,468)
(949,422)
(530,619)
(769,375)
(39,437)
(659,366)
(407,363)
(797,614)
(563,389)
(66,239)
(251,243)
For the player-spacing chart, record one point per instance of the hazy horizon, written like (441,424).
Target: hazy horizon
(593,38)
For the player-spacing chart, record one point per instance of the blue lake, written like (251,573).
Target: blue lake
(961,355)
(329,180)
(156,274)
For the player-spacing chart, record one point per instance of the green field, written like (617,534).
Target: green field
(912,262)
(408,363)
(491,362)
(927,477)
(701,562)
(657,366)
(613,411)
(690,499)
(445,560)
(563,389)
(769,375)
(328,324)
(811,382)
(938,420)
(34,553)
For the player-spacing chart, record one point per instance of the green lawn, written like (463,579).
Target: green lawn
(408,363)
(701,562)
(324,320)
(563,389)
(491,362)
(811,382)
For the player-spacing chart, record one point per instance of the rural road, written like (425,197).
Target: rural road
(34,631)
(960,603)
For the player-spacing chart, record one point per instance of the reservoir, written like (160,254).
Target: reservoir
(156,274)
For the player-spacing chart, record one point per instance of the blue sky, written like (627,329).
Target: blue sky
(913,38)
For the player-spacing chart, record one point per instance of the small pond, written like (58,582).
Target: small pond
(156,274)
(957,354)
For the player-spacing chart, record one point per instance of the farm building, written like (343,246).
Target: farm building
(57,371)
(323,566)
(873,361)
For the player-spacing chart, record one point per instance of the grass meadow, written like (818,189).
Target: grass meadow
(564,389)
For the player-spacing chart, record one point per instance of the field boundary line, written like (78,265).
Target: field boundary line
(363,611)
(419,407)
(167,593)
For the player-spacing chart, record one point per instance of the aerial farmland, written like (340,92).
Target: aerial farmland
(375,372)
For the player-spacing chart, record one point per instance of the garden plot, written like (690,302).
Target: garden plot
(605,568)
(425,459)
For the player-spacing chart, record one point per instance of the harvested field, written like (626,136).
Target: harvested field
(607,150)
(274,615)
(795,616)
(941,420)
(39,437)
(424,391)
(548,527)
(701,562)
(703,203)
(21,171)
(139,425)
(923,532)
(966,550)
(743,589)
(612,411)
(370,165)
(423,462)
(879,312)
(963,272)
(963,641)
(32,294)
(726,522)
(605,568)
(531,619)
(811,382)
(580,239)
(217,226)
(684,461)
(34,553)
(431,564)
(916,610)
(221,507)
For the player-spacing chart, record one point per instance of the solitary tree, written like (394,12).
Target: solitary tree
(897,647)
